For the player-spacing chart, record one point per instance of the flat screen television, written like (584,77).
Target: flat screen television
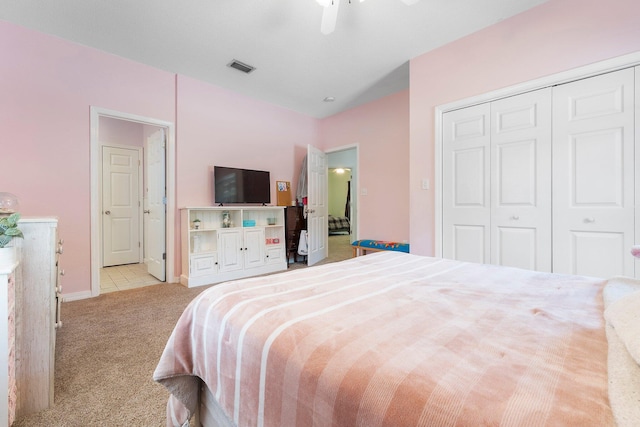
(233,185)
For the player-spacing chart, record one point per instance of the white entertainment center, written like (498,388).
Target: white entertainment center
(231,242)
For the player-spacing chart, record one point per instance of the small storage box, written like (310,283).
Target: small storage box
(248,222)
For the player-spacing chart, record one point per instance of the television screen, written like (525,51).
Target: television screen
(232,185)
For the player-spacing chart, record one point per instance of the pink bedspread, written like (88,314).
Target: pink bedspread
(392,339)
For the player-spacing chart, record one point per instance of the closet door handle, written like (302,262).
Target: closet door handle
(589,220)
(515,217)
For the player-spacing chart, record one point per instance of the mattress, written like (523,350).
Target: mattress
(394,339)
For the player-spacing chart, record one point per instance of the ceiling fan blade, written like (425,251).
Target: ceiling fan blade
(410,2)
(329,17)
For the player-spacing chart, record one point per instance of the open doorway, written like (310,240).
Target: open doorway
(132,207)
(342,199)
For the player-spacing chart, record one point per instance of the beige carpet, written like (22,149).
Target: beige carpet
(107,350)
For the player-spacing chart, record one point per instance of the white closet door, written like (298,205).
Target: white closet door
(465,184)
(521,181)
(593,173)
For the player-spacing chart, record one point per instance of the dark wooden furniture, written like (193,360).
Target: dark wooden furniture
(294,222)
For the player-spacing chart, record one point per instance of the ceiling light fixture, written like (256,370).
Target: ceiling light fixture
(329,99)
(330,13)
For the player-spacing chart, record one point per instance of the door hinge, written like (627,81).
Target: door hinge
(138,244)
(164,200)
(164,256)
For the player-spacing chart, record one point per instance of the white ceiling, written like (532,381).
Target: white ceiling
(365,58)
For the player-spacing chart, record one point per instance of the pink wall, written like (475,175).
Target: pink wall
(220,127)
(47,87)
(120,132)
(556,36)
(381,130)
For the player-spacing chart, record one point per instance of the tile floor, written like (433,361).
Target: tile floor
(123,277)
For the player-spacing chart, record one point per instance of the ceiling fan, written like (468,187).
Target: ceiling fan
(330,13)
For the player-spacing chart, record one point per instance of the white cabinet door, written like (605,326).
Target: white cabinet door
(521,181)
(275,254)
(593,172)
(254,247)
(230,250)
(466,199)
(202,265)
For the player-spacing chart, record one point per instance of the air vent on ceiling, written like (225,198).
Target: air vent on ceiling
(241,66)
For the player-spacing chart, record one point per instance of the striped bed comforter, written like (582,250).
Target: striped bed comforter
(393,339)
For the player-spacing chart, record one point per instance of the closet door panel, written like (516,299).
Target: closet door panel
(521,181)
(593,172)
(469,243)
(524,239)
(608,246)
(465,184)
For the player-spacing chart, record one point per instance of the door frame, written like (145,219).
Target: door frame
(140,197)
(583,72)
(96,217)
(355,185)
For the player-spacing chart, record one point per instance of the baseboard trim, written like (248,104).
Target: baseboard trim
(76,296)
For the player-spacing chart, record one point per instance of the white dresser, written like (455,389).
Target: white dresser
(7,345)
(37,313)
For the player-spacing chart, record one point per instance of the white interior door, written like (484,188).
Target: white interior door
(593,172)
(317,209)
(155,205)
(120,206)
(466,202)
(521,181)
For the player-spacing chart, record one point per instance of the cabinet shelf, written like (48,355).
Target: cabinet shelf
(204,253)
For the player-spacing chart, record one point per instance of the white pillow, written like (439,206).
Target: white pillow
(624,316)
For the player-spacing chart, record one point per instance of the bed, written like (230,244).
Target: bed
(338,224)
(394,339)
